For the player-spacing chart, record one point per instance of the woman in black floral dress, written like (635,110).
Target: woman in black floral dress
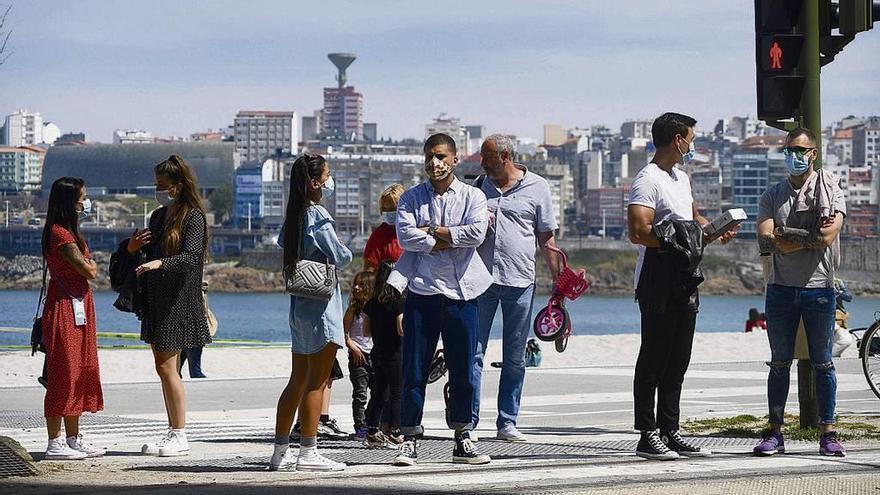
(172,310)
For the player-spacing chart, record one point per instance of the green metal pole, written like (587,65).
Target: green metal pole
(811,102)
(811,114)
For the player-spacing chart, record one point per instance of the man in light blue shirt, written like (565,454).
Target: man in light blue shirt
(440,224)
(521,218)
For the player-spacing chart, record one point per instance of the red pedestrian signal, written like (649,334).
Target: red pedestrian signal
(775,57)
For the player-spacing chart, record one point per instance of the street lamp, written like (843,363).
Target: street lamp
(7,213)
(145,214)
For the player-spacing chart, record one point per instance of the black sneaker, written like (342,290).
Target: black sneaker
(329,430)
(465,452)
(679,445)
(407,454)
(652,447)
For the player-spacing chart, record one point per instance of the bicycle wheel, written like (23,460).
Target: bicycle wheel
(870,352)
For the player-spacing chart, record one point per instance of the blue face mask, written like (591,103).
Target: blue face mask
(327,187)
(687,157)
(796,164)
(390,217)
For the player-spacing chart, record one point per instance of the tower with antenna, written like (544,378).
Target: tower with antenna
(343,116)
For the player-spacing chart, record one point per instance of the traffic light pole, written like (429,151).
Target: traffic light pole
(811,115)
(811,103)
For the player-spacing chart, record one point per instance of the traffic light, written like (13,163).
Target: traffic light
(856,16)
(778,45)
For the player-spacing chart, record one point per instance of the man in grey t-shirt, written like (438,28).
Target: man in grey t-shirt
(520,213)
(799,221)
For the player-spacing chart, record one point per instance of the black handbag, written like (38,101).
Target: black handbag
(37,329)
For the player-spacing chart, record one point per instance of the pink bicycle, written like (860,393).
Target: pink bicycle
(553,324)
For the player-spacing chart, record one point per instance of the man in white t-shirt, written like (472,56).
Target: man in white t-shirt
(660,192)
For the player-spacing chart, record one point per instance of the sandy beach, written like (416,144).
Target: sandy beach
(19,369)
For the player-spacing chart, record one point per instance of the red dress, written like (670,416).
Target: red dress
(74,382)
(382,245)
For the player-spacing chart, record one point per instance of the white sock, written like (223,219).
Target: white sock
(312,450)
(281,448)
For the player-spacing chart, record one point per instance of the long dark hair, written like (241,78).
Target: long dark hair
(61,211)
(361,292)
(178,172)
(305,169)
(382,290)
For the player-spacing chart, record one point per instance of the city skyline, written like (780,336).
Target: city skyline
(175,69)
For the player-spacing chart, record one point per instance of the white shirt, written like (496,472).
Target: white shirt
(667,193)
(458,272)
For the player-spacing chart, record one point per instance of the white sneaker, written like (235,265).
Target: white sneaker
(58,450)
(311,460)
(510,434)
(176,445)
(282,458)
(79,444)
(170,444)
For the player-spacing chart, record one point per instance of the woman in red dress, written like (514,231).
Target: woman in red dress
(73,381)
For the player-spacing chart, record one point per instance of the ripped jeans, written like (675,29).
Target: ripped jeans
(785,307)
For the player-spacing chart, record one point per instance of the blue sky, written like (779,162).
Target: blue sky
(176,66)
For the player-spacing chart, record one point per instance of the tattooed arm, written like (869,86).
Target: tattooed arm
(74,257)
(769,243)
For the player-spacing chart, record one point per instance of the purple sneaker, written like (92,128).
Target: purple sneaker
(771,444)
(829,445)
(360,433)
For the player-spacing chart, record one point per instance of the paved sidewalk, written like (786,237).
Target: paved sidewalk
(578,421)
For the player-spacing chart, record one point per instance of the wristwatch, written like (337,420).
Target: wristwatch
(432,231)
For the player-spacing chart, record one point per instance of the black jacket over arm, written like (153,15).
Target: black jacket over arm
(671,273)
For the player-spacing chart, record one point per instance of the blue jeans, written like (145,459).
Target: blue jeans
(785,307)
(425,319)
(516,313)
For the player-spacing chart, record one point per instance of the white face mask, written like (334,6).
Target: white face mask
(164,198)
(87,208)
(390,217)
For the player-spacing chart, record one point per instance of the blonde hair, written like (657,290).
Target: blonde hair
(390,197)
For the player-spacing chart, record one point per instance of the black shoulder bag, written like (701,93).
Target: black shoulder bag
(37,329)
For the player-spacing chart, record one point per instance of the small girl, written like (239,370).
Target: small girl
(359,344)
(384,322)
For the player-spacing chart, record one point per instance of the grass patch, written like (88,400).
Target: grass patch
(748,426)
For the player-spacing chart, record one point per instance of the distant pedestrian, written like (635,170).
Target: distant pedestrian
(69,332)
(316,329)
(171,306)
(756,321)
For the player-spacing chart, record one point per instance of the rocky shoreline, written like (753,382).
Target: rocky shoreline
(610,273)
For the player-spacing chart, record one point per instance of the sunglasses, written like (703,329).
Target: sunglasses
(799,150)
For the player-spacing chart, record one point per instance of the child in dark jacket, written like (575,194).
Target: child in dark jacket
(384,322)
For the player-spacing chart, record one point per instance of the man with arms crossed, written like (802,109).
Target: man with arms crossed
(440,224)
